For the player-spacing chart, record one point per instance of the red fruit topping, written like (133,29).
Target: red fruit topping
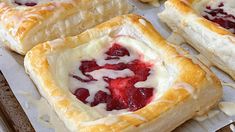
(119,66)
(30,4)
(88,66)
(115,104)
(117,50)
(100,97)
(124,95)
(221,17)
(140,98)
(82,94)
(90,78)
(26,4)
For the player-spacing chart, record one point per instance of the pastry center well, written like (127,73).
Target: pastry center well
(116,79)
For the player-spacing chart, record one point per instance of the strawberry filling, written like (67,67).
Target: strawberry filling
(220,17)
(25,4)
(123,93)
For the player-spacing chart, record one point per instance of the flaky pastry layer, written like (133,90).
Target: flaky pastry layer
(194,90)
(23,27)
(210,39)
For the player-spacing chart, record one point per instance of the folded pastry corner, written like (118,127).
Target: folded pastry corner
(25,23)
(208,26)
(121,76)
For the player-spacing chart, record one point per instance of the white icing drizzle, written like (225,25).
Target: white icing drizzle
(100,84)
(109,120)
(46,115)
(143,22)
(95,86)
(136,116)
(151,80)
(232,85)
(125,59)
(210,114)
(97,74)
(187,87)
(228,108)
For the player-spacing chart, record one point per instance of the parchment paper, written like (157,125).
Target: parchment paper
(11,65)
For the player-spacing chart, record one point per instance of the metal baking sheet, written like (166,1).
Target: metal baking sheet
(11,65)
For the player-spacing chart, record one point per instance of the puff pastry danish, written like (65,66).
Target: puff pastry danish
(208,25)
(25,23)
(121,76)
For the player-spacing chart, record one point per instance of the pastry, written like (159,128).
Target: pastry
(208,26)
(155,3)
(146,1)
(25,23)
(121,76)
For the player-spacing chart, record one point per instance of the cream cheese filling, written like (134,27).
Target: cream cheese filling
(68,62)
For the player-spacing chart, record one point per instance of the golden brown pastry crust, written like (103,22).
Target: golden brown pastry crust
(210,39)
(28,26)
(206,85)
(185,6)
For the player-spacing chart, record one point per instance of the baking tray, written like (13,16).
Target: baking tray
(44,119)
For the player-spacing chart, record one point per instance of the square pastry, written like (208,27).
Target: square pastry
(25,23)
(121,76)
(207,25)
